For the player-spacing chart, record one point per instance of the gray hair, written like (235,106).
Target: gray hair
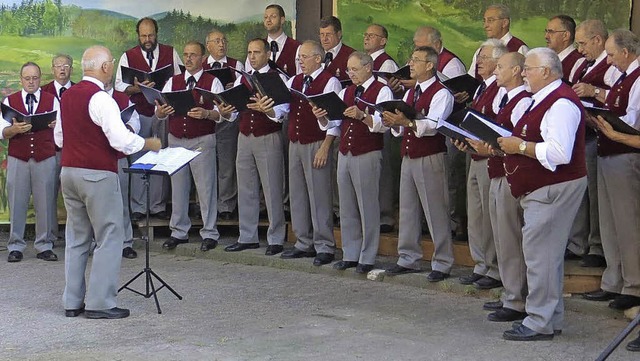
(498,48)
(58,56)
(315,46)
(625,39)
(364,58)
(432,33)
(432,55)
(505,13)
(547,58)
(593,28)
(99,55)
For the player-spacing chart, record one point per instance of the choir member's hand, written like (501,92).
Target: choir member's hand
(225,110)
(480,147)
(147,83)
(319,112)
(606,128)
(395,85)
(153,144)
(395,119)
(494,151)
(409,83)
(16,128)
(355,113)
(461,97)
(198,113)
(510,145)
(320,159)
(228,86)
(460,145)
(590,120)
(266,104)
(584,90)
(163,110)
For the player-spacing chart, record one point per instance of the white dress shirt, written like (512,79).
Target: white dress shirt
(610,76)
(523,49)
(23,93)
(281,40)
(454,68)
(224,60)
(633,107)
(333,85)
(58,86)
(388,65)
(119,85)
(519,109)
(134,121)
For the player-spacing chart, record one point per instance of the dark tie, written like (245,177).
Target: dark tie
(359,91)
(31,100)
(588,64)
(621,78)
(274,49)
(481,89)
(216,65)
(530,106)
(306,83)
(417,92)
(504,101)
(150,58)
(328,58)
(62,90)
(191,82)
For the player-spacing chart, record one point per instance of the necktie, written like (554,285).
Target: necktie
(588,64)
(530,106)
(621,78)
(216,65)
(306,83)
(416,94)
(150,58)
(328,58)
(359,91)
(31,99)
(274,49)
(191,82)
(481,89)
(62,90)
(504,101)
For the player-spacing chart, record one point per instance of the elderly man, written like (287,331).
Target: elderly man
(361,142)
(375,40)
(448,63)
(92,134)
(423,181)
(336,52)
(31,166)
(560,36)
(546,169)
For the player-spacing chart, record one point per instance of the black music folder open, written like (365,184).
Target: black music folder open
(483,128)
(454,132)
(38,121)
(393,105)
(403,73)
(462,83)
(330,102)
(159,76)
(268,84)
(618,124)
(225,75)
(181,100)
(238,96)
(127,112)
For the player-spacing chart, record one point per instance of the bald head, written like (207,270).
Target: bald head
(428,36)
(97,62)
(508,70)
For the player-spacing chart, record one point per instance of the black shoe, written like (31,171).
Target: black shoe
(524,333)
(14,256)
(506,315)
(469,279)
(343,265)
(570,256)
(47,255)
(624,302)
(634,346)
(323,258)
(112,313)
(173,242)
(74,312)
(386,228)
(208,244)
(492,306)
(296,253)
(518,323)
(129,253)
(162,215)
(487,283)
(437,276)
(137,216)
(600,295)
(593,260)
(225,216)
(364,268)
(399,270)
(273,249)
(237,247)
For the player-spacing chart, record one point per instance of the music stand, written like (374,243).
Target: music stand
(618,339)
(150,289)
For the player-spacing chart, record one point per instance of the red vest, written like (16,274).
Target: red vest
(568,62)
(182,126)
(377,63)
(122,100)
(256,123)
(338,66)
(525,174)
(287,59)
(495,164)
(484,104)
(85,145)
(512,45)
(444,58)
(418,147)
(37,145)
(595,77)
(303,125)
(355,136)
(51,89)
(138,61)
(617,101)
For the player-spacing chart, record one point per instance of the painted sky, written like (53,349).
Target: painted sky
(226,10)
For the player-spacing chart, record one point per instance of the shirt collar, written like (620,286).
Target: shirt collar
(94,81)
(544,92)
(211,60)
(281,39)
(563,54)
(633,66)
(515,91)
(24,95)
(264,69)
(156,52)
(336,49)
(427,83)
(58,86)
(197,75)
(506,38)
(316,73)
(490,80)
(368,82)
(377,53)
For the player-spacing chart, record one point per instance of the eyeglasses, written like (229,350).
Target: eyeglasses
(491,20)
(354,70)
(370,35)
(303,57)
(485,58)
(527,69)
(579,44)
(217,41)
(30,78)
(63,66)
(191,55)
(551,31)
(415,60)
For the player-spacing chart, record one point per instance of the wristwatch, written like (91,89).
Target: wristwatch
(596,91)
(411,124)
(522,147)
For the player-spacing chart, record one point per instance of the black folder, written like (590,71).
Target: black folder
(269,84)
(454,132)
(159,76)
(618,124)
(403,73)
(225,75)
(127,112)
(345,83)
(330,102)
(392,106)
(238,96)
(38,121)
(181,101)
(484,128)
(462,83)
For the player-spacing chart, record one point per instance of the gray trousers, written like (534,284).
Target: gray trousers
(203,170)
(507,222)
(123,178)
(226,150)
(310,197)
(358,185)
(423,188)
(388,186)
(585,232)
(481,245)
(619,200)
(23,180)
(548,214)
(457,177)
(260,162)
(54,228)
(158,185)
(94,208)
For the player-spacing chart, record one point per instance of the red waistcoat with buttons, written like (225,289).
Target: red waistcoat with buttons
(503,118)
(595,77)
(183,126)
(617,101)
(417,147)
(377,63)
(51,89)
(256,123)
(568,62)
(338,66)
(444,58)
(123,102)
(484,104)
(287,58)
(85,145)
(525,174)
(303,125)
(137,61)
(355,136)
(37,145)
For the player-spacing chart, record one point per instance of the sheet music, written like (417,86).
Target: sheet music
(503,132)
(444,124)
(168,160)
